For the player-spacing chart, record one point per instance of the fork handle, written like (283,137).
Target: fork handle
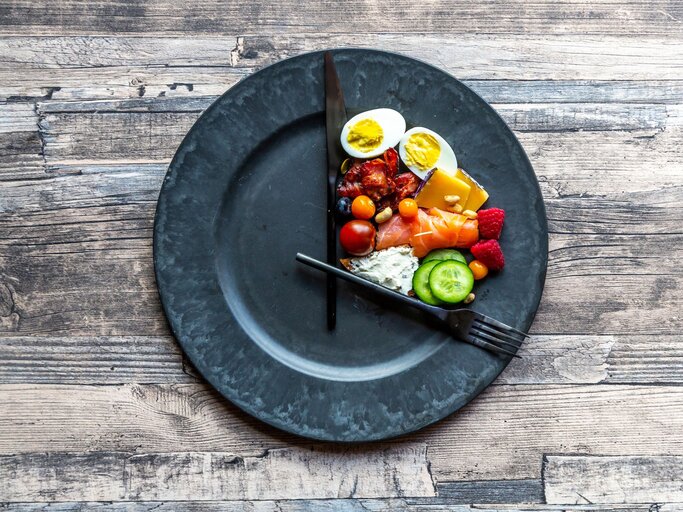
(379,289)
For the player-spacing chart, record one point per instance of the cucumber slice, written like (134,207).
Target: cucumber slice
(451,281)
(421,283)
(445,254)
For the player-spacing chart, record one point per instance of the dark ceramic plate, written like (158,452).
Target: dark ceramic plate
(246,192)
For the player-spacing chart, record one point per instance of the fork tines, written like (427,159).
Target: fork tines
(495,336)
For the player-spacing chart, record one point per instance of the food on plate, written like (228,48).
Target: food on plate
(477,196)
(440,189)
(491,222)
(445,254)
(393,268)
(357,237)
(378,179)
(407,208)
(421,283)
(384,215)
(371,133)
(479,270)
(451,281)
(489,253)
(344,206)
(345,166)
(425,213)
(432,229)
(422,149)
(362,207)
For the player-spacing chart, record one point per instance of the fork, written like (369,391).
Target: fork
(465,324)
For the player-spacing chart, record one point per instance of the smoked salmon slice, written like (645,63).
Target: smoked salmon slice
(432,229)
(395,231)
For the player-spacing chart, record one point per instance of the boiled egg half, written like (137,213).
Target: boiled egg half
(372,132)
(422,150)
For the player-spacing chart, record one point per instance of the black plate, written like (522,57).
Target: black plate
(246,192)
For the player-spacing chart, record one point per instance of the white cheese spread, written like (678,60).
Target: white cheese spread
(393,268)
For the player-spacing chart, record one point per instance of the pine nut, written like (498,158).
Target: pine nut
(470,214)
(469,298)
(451,199)
(455,208)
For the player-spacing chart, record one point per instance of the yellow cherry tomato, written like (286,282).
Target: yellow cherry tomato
(363,208)
(479,270)
(407,208)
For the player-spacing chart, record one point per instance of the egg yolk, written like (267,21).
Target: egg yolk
(422,151)
(365,135)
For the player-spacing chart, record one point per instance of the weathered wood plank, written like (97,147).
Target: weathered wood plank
(94,360)
(592,359)
(286,473)
(659,17)
(78,68)
(18,117)
(336,505)
(598,419)
(82,68)
(92,188)
(579,91)
(21,156)
(559,359)
(492,491)
(524,57)
(624,479)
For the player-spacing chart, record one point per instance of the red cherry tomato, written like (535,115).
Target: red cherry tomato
(357,237)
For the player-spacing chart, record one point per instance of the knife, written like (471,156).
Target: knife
(335,118)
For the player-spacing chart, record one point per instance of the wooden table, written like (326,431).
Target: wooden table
(97,403)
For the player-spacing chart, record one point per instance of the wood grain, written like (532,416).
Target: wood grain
(514,57)
(17,117)
(602,419)
(93,360)
(628,17)
(286,473)
(624,479)
(79,68)
(336,505)
(492,491)
(546,359)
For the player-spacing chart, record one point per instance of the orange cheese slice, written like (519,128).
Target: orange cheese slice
(439,185)
(477,195)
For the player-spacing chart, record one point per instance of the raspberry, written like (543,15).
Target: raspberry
(489,253)
(490,222)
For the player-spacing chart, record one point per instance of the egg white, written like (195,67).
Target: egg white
(393,127)
(446,160)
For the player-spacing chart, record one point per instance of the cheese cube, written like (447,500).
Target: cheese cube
(477,196)
(439,185)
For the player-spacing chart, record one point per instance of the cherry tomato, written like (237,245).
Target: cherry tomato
(479,270)
(363,207)
(407,208)
(357,237)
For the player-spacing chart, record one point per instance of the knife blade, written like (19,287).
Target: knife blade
(335,118)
